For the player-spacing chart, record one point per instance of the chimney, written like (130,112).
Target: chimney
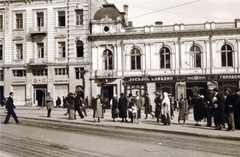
(158,23)
(130,24)
(125,8)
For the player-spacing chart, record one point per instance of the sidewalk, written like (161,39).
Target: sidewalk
(149,124)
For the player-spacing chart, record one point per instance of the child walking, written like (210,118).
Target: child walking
(134,113)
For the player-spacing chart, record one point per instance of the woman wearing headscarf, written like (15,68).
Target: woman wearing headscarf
(165,109)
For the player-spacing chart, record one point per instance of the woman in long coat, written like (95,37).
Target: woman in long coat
(49,104)
(98,110)
(148,106)
(165,109)
(183,110)
(114,109)
(122,106)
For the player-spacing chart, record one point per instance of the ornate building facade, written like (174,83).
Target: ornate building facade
(170,58)
(44,48)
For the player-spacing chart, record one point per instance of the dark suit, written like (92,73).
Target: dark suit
(10,108)
(78,104)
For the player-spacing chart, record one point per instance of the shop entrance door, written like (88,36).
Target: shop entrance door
(39,95)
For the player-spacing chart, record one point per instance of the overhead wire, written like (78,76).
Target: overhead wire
(165,9)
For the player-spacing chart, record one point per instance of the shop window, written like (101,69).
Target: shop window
(61,50)
(40,50)
(165,58)
(1,52)
(19,21)
(195,57)
(1,75)
(79,17)
(227,55)
(61,71)
(19,73)
(19,51)
(108,60)
(61,18)
(222,86)
(79,48)
(79,73)
(39,72)
(166,87)
(135,59)
(1,22)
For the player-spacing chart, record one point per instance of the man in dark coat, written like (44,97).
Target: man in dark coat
(10,108)
(138,102)
(158,102)
(148,106)
(122,106)
(229,109)
(209,107)
(237,109)
(218,101)
(114,107)
(78,103)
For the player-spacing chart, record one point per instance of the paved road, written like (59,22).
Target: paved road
(51,138)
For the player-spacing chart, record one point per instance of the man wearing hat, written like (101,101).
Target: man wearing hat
(158,101)
(230,109)
(148,106)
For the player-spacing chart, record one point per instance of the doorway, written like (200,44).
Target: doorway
(39,95)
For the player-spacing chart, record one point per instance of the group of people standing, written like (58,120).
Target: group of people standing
(218,108)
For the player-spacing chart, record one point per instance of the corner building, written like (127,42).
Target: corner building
(44,48)
(168,58)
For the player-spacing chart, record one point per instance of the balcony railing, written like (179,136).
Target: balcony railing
(18,61)
(105,73)
(38,30)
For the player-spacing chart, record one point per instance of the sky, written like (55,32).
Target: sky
(170,12)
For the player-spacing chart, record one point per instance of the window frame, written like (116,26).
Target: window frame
(164,58)
(79,49)
(194,58)
(61,17)
(40,50)
(108,60)
(19,73)
(228,58)
(62,49)
(79,17)
(136,59)
(19,50)
(1,22)
(19,21)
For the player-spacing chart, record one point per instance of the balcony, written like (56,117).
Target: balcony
(105,74)
(62,60)
(38,31)
(18,61)
(37,62)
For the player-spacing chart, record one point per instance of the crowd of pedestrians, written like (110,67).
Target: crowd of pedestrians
(215,108)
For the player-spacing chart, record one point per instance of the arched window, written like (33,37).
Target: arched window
(135,59)
(165,58)
(108,59)
(79,48)
(227,55)
(195,57)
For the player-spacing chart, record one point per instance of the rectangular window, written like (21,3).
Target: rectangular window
(61,71)
(19,51)
(79,72)
(40,50)
(61,18)
(19,73)
(39,72)
(1,75)
(1,52)
(1,22)
(19,21)
(79,17)
(40,20)
(61,50)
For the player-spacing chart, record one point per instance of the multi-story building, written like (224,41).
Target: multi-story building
(172,58)
(44,47)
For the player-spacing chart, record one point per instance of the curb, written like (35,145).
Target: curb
(143,129)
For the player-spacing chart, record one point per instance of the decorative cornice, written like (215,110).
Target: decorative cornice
(180,34)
